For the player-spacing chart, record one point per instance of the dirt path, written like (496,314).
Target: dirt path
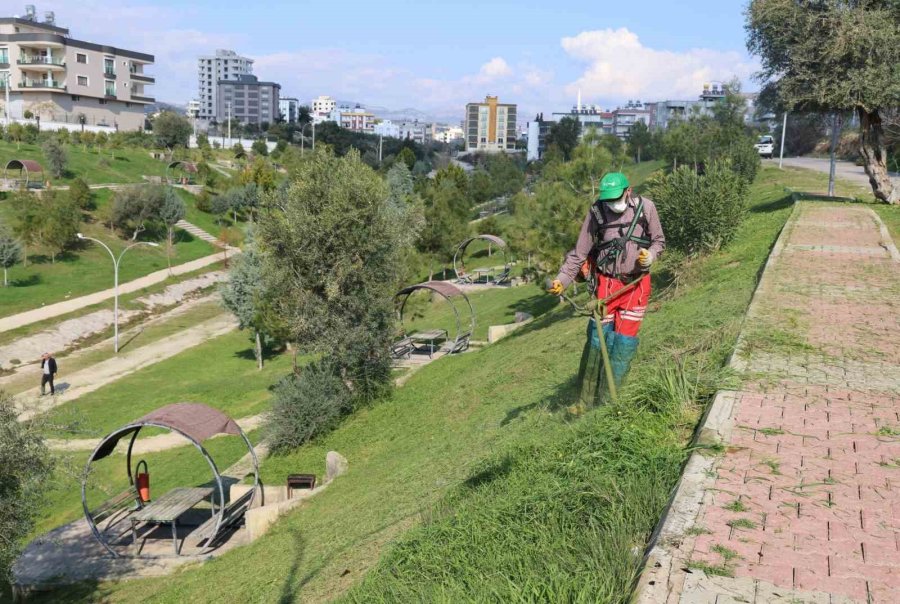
(803,502)
(70,387)
(61,308)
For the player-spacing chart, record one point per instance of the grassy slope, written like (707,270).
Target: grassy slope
(88,267)
(129,165)
(420,456)
(220,373)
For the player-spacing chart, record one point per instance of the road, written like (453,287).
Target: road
(845,170)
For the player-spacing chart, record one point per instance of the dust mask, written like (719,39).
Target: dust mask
(618,206)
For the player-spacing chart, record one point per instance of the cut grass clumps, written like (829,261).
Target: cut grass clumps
(564,522)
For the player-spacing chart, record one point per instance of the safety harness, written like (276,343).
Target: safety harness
(607,252)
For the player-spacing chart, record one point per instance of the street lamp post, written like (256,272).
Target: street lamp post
(116,262)
(783,131)
(7,76)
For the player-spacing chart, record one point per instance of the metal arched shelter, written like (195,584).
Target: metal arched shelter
(24,166)
(193,421)
(451,293)
(459,264)
(187,167)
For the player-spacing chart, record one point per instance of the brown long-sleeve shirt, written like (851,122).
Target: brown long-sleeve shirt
(626,263)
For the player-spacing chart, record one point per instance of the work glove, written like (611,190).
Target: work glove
(645,258)
(556,288)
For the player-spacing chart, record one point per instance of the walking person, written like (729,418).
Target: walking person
(620,238)
(48,372)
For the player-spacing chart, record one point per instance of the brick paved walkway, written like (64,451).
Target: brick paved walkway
(803,504)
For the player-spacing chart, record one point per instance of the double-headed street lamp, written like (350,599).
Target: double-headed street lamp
(116,262)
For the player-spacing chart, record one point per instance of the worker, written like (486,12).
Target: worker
(620,238)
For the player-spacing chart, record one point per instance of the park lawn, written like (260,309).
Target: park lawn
(504,492)
(181,466)
(891,217)
(148,332)
(220,373)
(87,267)
(95,166)
(493,306)
(211,223)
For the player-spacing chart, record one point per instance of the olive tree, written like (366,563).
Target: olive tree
(25,464)
(834,56)
(10,251)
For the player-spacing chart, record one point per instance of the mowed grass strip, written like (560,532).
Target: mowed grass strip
(473,451)
(87,267)
(220,373)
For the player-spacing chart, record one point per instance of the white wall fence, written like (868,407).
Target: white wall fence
(54,125)
(227,143)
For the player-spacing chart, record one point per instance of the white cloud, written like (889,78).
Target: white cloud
(620,66)
(494,69)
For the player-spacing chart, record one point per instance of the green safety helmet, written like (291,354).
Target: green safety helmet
(612,186)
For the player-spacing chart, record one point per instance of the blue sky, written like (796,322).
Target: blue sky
(434,56)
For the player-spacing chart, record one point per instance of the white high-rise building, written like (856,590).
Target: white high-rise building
(322,106)
(224,65)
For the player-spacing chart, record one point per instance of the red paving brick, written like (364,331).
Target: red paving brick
(815,450)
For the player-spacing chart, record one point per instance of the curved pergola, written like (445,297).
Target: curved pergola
(454,296)
(196,423)
(26,167)
(459,264)
(185,167)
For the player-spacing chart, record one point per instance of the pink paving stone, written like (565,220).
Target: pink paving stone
(832,463)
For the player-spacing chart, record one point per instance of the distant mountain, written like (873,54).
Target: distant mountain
(164,106)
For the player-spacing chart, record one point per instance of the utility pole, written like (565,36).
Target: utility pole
(314,135)
(836,122)
(228,113)
(783,131)
(380,141)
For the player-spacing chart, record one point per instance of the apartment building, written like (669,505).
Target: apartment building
(490,126)
(224,65)
(289,109)
(62,80)
(247,100)
(322,107)
(386,128)
(354,118)
(624,118)
(415,131)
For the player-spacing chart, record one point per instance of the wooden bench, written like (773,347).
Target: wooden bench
(233,513)
(110,507)
(402,348)
(462,343)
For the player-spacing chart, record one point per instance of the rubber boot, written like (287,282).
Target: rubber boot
(620,356)
(591,375)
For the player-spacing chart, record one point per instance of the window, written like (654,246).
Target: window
(109,88)
(102,101)
(82,80)
(75,97)
(4,55)
(81,57)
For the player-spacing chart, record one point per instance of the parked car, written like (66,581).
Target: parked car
(765,146)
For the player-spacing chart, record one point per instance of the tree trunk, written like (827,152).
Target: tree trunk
(259,359)
(5,281)
(836,123)
(875,156)
(169,249)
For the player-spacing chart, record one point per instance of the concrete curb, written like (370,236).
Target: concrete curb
(671,543)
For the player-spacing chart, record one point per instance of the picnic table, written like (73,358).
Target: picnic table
(431,336)
(487,273)
(169,507)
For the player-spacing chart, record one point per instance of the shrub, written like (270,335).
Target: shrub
(744,159)
(81,195)
(306,405)
(700,213)
(55,155)
(204,201)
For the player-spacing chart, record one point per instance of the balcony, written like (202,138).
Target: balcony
(109,74)
(142,99)
(41,61)
(140,77)
(4,61)
(42,85)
